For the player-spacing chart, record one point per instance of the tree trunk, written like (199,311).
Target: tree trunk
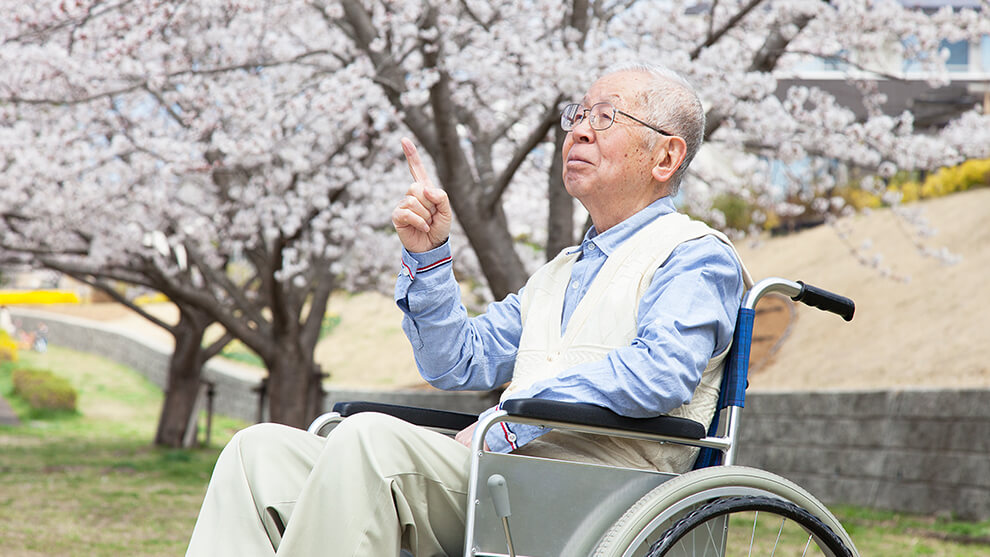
(184,371)
(483,222)
(488,233)
(560,221)
(292,380)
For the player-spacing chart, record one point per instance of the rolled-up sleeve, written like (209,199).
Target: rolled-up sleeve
(454,351)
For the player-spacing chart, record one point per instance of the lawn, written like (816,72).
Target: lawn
(91,483)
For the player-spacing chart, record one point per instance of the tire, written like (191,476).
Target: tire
(751,525)
(660,509)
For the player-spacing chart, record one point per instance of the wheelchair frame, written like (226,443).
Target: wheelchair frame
(603,510)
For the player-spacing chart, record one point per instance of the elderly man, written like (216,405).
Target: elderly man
(638,319)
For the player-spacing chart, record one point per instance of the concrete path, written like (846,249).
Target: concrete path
(7,416)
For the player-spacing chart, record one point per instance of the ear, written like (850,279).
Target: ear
(669,157)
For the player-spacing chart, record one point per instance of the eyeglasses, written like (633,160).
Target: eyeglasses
(601,116)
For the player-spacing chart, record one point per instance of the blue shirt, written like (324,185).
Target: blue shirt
(686,316)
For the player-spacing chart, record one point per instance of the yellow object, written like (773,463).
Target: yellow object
(8,348)
(145,299)
(13,297)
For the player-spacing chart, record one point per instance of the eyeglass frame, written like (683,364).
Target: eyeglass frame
(585,111)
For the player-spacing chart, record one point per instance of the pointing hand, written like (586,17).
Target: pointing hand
(423,217)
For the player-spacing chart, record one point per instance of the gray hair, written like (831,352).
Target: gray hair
(671,104)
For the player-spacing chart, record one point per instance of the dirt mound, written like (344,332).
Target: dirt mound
(927,331)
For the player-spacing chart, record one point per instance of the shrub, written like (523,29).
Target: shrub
(974,173)
(738,212)
(43,390)
(970,174)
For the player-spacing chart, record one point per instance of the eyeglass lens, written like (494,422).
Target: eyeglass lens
(601,116)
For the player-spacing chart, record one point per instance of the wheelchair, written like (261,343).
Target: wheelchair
(538,507)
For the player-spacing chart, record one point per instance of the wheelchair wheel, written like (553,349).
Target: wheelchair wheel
(750,526)
(657,512)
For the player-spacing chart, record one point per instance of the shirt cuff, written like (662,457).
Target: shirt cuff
(500,439)
(415,263)
(505,437)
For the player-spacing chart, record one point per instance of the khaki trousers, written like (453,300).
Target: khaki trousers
(374,485)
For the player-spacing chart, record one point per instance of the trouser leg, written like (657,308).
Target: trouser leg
(374,484)
(381,483)
(263,465)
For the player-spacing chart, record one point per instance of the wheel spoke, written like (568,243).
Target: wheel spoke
(711,538)
(752,537)
(807,545)
(776,542)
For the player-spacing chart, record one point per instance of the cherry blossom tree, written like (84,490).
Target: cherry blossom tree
(206,151)
(479,84)
(744,57)
(254,142)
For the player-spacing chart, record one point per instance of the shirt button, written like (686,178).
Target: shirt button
(511,437)
(575,285)
(591,247)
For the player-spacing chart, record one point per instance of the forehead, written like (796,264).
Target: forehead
(617,88)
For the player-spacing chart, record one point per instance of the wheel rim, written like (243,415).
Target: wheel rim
(751,526)
(652,532)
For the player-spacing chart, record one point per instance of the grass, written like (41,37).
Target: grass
(90,483)
(879,532)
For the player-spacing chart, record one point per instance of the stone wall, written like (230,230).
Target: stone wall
(236,385)
(919,451)
(916,451)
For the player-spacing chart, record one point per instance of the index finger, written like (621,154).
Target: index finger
(416,167)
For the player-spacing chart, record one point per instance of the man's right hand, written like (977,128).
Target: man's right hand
(423,217)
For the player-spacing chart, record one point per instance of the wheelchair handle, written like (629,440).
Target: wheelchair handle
(800,292)
(825,300)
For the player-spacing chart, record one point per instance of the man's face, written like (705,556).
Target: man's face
(609,171)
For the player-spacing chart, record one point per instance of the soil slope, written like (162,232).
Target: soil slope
(929,331)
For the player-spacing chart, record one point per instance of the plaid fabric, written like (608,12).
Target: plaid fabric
(734,382)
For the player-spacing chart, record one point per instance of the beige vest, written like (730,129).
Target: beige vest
(604,320)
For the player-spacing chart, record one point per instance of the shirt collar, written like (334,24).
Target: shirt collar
(612,238)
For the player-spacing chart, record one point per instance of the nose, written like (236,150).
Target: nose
(583,132)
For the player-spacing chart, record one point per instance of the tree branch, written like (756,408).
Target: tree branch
(389,74)
(119,298)
(536,136)
(714,37)
(764,60)
(144,84)
(217,346)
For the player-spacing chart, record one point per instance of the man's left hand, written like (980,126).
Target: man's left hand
(464,436)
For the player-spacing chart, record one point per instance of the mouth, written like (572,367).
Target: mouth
(577,160)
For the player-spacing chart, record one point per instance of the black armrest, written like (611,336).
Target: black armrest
(426,417)
(588,414)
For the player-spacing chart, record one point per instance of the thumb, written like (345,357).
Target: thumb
(439,199)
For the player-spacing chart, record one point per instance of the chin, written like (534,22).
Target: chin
(575,182)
